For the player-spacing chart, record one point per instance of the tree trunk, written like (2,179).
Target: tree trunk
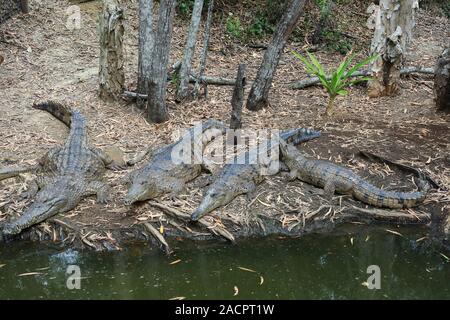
(111,75)
(442,81)
(259,93)
(183,88)
(156,102)
(393,21)
(238,99)
(323,22)
(204,49)
(146,43)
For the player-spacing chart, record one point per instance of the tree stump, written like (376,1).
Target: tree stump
(392,21)
(24,6)
(111,74)
(442,81)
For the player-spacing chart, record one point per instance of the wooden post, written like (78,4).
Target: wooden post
(111,74)
(442,81)
(156,102)
(183,88)
(146,43)
(24,6)
(238,99)
(259,93)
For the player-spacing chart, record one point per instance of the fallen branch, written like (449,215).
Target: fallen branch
(308,82)
(216,229)
(158,236)
(9,172)
(217,81)
(374,157)
(392,216)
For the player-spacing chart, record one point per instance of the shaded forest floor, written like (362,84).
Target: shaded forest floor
(45,60)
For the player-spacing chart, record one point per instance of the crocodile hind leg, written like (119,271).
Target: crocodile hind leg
(329,189)
(100,189)
(174,187)
(334,185)
(35,185)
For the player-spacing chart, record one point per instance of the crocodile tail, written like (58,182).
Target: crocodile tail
(59,111)
(297,136)
(377,197)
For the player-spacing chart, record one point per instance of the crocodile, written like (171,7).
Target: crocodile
(334,178)
(162,175)
(65,174)
(238,179)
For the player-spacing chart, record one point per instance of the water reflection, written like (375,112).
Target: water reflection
(313,267)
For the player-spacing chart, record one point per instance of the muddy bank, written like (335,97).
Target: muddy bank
(44,60)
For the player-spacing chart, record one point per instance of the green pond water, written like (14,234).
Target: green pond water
(311,267)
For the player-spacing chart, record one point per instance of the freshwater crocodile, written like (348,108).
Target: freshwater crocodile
(334,178)
(162,175)
(238,179)
(66,174)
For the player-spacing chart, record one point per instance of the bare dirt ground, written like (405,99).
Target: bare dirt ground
(45,60)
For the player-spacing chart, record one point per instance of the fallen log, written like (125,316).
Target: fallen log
(217,81)
(159,237)
(312,81)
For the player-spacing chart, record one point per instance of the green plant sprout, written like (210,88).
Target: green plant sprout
(340,79)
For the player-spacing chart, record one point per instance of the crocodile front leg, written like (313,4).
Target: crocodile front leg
(100,189)
(108,160)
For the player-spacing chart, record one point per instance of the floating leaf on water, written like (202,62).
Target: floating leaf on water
(445,257)
(175,262)
(367,238)
(261,281)
(42,269)
(247,269)
(394,232)
(421,239)
(177,298)
(351,240)
(29,274)
(236,291)
(365,284)
(2,265)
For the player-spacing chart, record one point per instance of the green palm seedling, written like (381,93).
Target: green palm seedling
(340,79)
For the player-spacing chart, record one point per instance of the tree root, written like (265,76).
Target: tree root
(308,82)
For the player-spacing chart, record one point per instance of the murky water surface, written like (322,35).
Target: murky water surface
(312,267)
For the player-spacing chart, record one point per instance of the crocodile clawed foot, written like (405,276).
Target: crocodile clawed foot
(117,167)
(26,195)
(103,197)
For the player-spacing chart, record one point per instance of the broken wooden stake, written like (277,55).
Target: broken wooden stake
(238,99)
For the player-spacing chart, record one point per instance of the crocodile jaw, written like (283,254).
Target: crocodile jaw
(36,213)
(140,192)
(209,203)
